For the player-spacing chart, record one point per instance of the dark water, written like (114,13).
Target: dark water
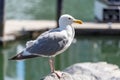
(83,49)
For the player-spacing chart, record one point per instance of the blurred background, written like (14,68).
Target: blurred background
(46,10)
(22,20)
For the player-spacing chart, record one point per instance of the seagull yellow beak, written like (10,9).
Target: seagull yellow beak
(78,21)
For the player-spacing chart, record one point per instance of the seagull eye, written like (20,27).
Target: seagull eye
(69,18)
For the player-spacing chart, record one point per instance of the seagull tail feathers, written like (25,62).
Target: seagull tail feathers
(20,56)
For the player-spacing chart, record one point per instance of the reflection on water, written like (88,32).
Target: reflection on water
(20,66)
(84,49)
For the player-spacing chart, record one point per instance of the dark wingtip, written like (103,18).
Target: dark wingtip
(20,57)
(14,58)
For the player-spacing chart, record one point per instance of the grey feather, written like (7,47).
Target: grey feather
(48,43)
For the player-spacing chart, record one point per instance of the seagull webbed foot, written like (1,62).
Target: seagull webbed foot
(58,74)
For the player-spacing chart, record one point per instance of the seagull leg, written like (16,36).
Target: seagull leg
(51,63)
(52,68)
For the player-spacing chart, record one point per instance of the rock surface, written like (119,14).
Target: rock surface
(88,71)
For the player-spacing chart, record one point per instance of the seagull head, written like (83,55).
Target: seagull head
(67,19)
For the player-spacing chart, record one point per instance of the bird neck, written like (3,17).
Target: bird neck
(69,29)
(63,26)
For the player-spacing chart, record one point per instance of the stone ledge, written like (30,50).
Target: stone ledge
(88,71)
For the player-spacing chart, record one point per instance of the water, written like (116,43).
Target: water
(83,49)
(46,9)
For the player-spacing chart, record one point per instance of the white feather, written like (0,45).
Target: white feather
(29,43)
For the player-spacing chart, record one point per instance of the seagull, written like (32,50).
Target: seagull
(52,42)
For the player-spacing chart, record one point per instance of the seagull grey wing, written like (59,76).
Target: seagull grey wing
(47,32)
(49,44)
